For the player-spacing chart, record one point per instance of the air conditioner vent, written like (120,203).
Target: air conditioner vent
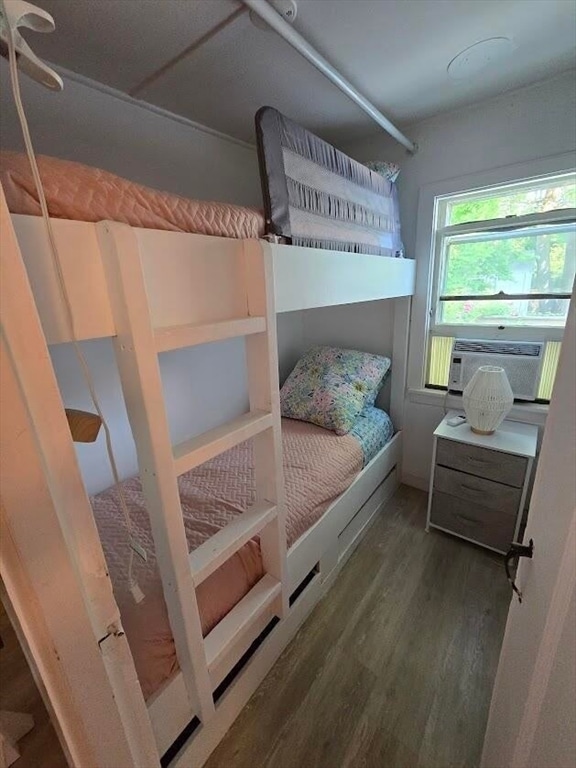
(522,361)
(521,348)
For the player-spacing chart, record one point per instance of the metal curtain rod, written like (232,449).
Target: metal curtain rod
(274,20)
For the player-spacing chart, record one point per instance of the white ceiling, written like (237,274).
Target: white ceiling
(395,51)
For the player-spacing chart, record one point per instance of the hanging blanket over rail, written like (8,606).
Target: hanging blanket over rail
(316,196)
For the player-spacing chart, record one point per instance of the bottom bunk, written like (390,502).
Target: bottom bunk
(328,479)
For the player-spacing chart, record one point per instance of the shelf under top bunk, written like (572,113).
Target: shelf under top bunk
(196,283)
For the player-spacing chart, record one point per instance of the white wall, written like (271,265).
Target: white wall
(517,127)
(95,127)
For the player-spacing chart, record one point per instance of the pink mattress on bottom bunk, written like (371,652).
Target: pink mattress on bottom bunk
(318,467)
(81,193)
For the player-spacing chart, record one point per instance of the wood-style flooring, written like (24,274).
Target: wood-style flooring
(18,693)
(394,668)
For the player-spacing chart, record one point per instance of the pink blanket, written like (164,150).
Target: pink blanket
(318,467)
(81,193)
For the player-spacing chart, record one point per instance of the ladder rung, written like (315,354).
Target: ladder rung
(191,453)
(228,631)
(218,548)
(177,336)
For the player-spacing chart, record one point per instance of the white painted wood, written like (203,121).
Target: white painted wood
(210,555)
(264,394)
(178,267)
(241,643)
(177,336)
(309,277)
(53,568)
(79,254)
(197,450)
(240,618)
(142,386)
(191,279)
(533,709)
(170,711)
(399,372)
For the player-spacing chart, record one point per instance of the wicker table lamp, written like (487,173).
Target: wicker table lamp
(487,399)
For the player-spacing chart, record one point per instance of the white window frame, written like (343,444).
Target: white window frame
(478,330)
(423,306)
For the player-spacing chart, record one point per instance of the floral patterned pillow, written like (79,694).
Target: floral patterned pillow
(330,387)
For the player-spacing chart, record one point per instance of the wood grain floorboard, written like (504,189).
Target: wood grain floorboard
(18,693)
(394,667)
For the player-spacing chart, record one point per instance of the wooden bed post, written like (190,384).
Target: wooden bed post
(264,392)
(401,337)
(53,568)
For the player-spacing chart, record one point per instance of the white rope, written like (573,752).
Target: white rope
(136,592)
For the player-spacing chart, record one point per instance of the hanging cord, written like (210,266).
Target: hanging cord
(135,547)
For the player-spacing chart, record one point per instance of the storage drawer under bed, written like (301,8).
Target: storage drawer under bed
(482,462)
(474,521)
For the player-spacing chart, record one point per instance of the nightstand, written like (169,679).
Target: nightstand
(479,483)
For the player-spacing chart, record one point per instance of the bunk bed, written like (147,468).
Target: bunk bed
(153,290)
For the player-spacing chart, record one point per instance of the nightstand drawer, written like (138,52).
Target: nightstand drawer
(482,462)
(473,521)
(478,490)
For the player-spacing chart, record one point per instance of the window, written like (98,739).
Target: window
(504,266)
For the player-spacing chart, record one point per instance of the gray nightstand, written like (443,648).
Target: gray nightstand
(479,483)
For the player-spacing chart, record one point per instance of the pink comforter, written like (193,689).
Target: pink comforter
(318,467)
(81,193)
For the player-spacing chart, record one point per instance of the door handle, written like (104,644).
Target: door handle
(515,552)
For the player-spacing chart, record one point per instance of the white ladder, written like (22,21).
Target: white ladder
(137,345)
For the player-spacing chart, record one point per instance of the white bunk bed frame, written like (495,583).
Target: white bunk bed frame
(153,291)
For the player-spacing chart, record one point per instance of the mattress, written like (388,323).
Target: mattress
(81,193)
(318,467)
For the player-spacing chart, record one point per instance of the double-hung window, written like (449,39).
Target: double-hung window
(504,265)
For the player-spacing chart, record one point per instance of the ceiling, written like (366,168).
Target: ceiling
(394,51)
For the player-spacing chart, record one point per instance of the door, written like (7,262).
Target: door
(532,721)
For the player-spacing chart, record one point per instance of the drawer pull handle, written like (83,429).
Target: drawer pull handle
(470,488)
(469,520)
(480,462)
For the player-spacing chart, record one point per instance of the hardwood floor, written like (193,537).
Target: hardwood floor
(394,668)
(18,692)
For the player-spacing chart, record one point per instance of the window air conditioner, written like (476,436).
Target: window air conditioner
(522,361)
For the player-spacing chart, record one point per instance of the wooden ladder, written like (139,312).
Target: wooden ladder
(137,345)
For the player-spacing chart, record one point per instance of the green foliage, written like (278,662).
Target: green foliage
(529,263)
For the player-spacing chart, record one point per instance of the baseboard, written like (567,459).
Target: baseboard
(422,483)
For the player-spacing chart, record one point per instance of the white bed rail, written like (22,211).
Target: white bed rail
(178,267)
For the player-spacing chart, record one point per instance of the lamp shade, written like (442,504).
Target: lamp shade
(487,399)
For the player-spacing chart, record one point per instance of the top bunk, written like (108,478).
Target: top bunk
(330,232)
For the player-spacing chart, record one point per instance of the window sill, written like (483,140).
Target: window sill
(527,413)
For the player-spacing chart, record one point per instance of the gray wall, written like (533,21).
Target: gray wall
(517,127)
